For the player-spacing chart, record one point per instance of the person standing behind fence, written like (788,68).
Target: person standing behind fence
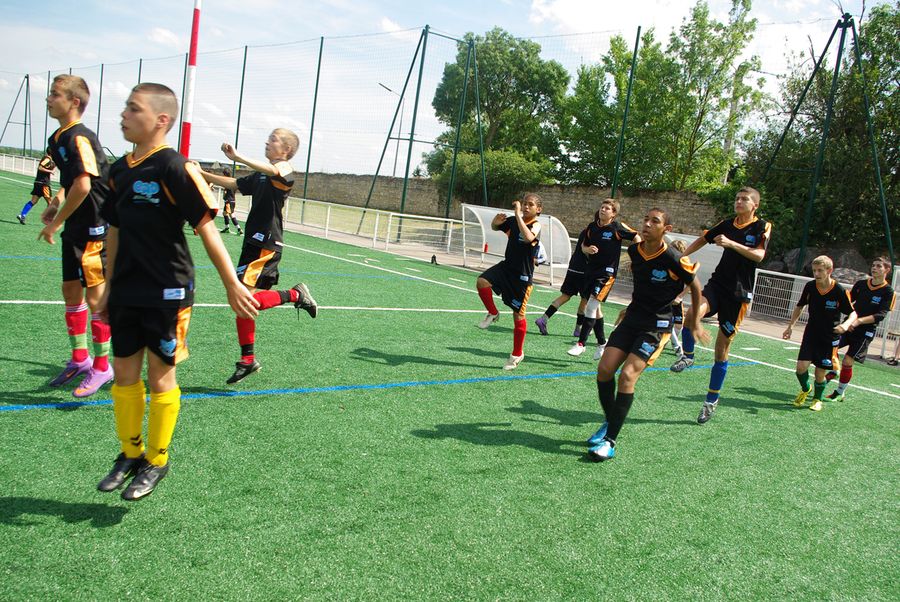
(228,206)
(571,286)
(513,277)
(729,290)
(268,186)
(41,188)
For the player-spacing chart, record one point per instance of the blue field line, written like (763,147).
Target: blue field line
(67,405)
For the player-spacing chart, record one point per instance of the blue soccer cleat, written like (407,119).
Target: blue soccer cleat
(605,451)
(597,437)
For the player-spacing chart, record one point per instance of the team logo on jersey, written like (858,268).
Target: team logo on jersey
(607,235)
(831,305)
(728,327)
(259,236)
(750,240)
(515,304)
(647,349)
(659,276)
(876,300)
(62,153)
(167,348)
(145,192)
(826,363)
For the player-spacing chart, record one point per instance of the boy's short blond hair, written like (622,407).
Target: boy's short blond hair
(74,87)
(162,100)
(824,261)
(289,139)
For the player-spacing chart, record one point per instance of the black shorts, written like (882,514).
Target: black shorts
(162,330)
(597,286)
(823,353)
(84,261)
(228,208)
(632,337)
(258,268)
(857,344)
(730,309)
(511,287)
(572,284)
(677,313)
(42,190)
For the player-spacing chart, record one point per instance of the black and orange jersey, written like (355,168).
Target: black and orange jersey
(578,260)
(265,222)
(658,280)
(150,199)
(519,255)
(734,269)
(871,300)
(608,239)
(825,309)
(76,150)
(228,196)
(45,170)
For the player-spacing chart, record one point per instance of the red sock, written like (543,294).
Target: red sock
(246,329)
(268,299)
(487,297)
(76,324)
(100,336)
(846,374)
(519,328)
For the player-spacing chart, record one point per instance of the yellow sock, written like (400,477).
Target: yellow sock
(163,415)
(128,406)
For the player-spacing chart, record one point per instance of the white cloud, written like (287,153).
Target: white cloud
(165,37)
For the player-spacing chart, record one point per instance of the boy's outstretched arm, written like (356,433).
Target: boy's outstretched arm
(260,166)
(239,298)
(223,181)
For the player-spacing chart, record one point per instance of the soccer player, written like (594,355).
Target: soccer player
(228,206)
(660,275)
(730,288)
(677,308)
(872,299)
(571,286)
(41,188)
(83,188)
(602,246)
(513,277)
(154,190)
(827,300)
(269,187)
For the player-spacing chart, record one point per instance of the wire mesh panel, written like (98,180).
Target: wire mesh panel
(118,80)
(168,71)
(216,103)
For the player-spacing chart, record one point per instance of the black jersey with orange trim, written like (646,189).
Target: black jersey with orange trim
(45,169)
(150,200)
(658,280)
(825,309)
(519,254)
(76,150)
(734,268)
(578,261)
(608,240)
(264,226)
(871,300)
(228,195)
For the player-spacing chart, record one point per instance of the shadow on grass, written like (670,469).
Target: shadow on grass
(376,356)
(40,369)
(13,511)
(497,434)
(749,399)
(555,415)
(560,364)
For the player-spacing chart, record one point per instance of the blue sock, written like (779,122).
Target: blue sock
(26,208)
(716,378)
(687,342)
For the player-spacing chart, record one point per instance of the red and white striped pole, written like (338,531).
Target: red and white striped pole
(188,107)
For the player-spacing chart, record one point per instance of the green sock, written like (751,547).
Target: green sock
(820,388)
(803,377)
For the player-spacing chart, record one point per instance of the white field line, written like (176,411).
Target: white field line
(15,180)
(457,280)
(750,349)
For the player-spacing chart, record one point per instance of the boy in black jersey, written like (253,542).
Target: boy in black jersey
(602,246)
(269,186)
(826,300)
(872,299)
(513,277)
(660,275)
(228,207)
(730,288)
(83,173)
(41,188)
(571,286)
(154,190)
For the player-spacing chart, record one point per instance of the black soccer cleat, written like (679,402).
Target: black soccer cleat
(305,301)
(122,469)
(145,481)
(242,371)
(21,219)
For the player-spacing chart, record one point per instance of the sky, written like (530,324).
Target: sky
(367,43)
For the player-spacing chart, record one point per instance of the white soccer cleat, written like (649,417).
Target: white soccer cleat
(488,320)
(576,350)
(513,361)
(598,353)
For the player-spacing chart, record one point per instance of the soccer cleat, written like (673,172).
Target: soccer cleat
(145,481)
(71,370)
(829,376)
(93,381)
(682,363)
(305,301)
(800,400)
(835,396)
(605,450)
(239,231)
(597,438)
(225,230)
(817,405)
(21,219)
(513,361)
(122,469)
(598,353)
(576,350)
(577,332)
(707,411)
(242,371)
(541,323)
(488,320)
(679,351)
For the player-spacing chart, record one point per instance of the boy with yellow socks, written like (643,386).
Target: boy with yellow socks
(153,191)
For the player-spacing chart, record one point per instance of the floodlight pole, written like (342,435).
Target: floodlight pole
(26,121)
(621,144)
(47,113)
(484,199)
(237,129)
(412,127)
(99,102)
(462,108)
(312,122)
(13,108)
